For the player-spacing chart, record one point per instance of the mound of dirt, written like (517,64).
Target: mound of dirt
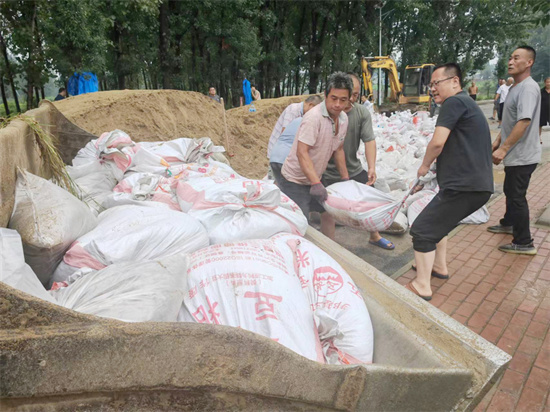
(152,115)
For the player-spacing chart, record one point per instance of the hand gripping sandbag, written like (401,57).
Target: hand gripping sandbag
(251,285)
(361,206)
(133,234)
(13,269)
(342,318)
(240,209)
(49,219)
(150,291)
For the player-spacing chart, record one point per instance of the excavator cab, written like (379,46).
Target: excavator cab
(415,86)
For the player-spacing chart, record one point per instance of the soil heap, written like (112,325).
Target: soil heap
(153,115)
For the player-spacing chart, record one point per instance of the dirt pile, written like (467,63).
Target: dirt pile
(151,115)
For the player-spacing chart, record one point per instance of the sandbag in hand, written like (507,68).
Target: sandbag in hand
(318,192)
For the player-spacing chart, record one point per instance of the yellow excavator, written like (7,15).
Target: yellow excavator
(413,90)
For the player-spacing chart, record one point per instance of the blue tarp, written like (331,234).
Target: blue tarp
(82,83)
(246,91)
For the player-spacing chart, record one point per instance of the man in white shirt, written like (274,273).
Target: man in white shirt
(502,92)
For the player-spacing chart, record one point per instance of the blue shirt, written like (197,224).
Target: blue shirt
(282,147)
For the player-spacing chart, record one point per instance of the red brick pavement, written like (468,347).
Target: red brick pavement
(506,299)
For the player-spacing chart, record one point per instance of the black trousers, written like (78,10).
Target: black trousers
(442,215)
(516,183)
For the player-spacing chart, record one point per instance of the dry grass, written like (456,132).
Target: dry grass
(51,160)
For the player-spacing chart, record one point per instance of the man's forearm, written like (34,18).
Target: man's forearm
(370,153)
(432,151)
(307,166)
(516,134)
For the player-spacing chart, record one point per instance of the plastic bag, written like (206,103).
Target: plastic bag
(240,209)
(251,285)
(49,219)
(361,206)
(150,291)
(343,321)
(15,272)
(133,234)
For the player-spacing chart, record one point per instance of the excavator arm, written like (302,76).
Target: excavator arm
(381,62)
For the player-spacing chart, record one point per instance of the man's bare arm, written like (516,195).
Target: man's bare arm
(340,162)
(305,162)
(515,135)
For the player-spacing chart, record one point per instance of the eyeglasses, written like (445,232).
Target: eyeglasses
(436,83)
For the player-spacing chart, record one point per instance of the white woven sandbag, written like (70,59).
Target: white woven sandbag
(417,203)
(13,269)
(251,285)
(361,206)
(145,291)
(141,188)
(166,158)
(240,209)
(94,182)
(133,234)
(114,150)
(479,217)
(49,219)
(343,320)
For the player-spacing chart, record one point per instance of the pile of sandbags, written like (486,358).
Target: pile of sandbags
(171,235)
(401,142)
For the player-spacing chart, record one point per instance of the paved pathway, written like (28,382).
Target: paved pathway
(506,299)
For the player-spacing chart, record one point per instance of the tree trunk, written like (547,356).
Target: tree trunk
(42,93)
(9,73)
(4,99)
(316,54)
(164,45)
(37,93)
(298,43)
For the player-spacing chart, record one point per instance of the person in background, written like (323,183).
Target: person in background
(62,94)
(544,106)
(319,137)
(461,144)
(502,93)
(284,133)
(472,90)
(496,102)
(256,95)
(359,131)
(291,112)
(212,94)
(517,146)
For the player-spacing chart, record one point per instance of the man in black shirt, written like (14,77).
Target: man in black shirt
(61,95)
(462,146)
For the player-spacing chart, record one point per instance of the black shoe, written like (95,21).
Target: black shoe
(529,249)
(501,229)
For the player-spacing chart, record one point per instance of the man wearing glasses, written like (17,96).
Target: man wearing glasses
(462,146)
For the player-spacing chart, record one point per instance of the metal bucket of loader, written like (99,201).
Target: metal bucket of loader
(56,359)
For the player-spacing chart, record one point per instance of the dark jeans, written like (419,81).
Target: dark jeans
(500,110)
(516,183)
(276,169)
(442,215)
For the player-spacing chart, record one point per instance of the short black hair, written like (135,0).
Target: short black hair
(451,69)
(531,51)
(314,99)
(339,80)
(211,87)
(61,89)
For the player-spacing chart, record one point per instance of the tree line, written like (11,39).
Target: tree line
(283,47)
